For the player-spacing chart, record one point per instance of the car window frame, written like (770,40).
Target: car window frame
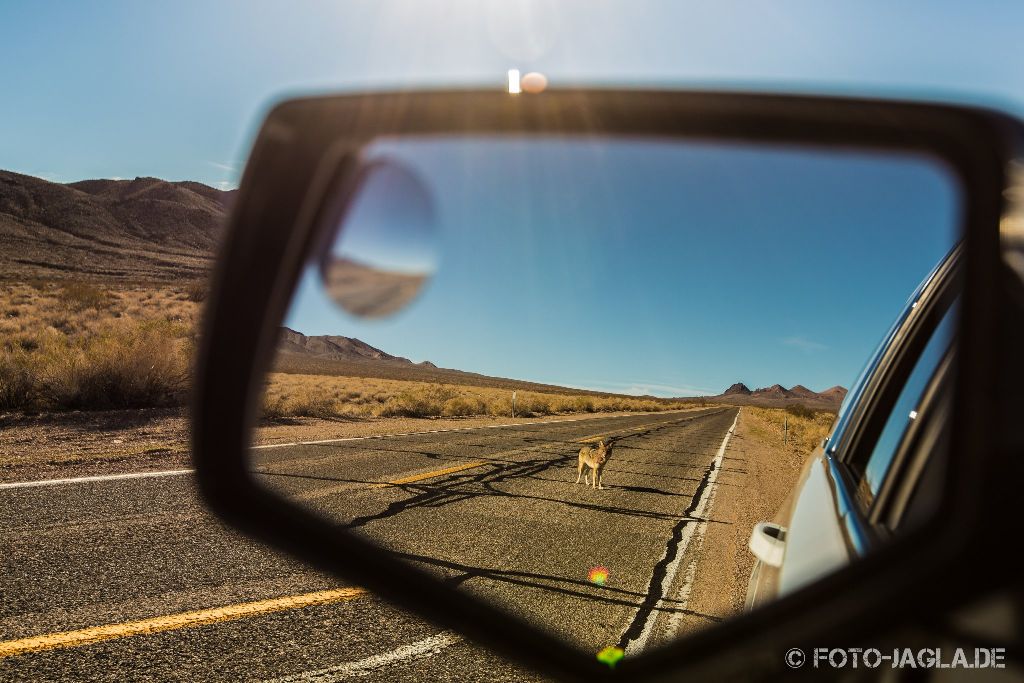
(857,432)
(919,447)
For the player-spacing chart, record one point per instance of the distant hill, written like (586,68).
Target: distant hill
(334,347)
(803,392)
(738,389)
(778,396)
(774,391)
(141,229)
(348,357)
(836,393)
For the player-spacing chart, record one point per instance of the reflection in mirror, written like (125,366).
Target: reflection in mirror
(386,251)
(630,353)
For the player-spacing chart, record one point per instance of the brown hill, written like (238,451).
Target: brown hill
(774,391)
(802,392)
(142,229)
(334,347)
(737,389)
(836,393)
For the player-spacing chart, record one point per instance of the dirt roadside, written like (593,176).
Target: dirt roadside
(757,475)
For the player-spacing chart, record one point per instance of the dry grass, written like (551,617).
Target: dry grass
(293,395)
(85,346)
(88,346)
(806,427)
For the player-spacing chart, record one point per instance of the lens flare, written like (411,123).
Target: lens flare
(533,82)
(513,82)
(610,656)
(598,575)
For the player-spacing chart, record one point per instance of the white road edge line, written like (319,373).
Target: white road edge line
(636,646)
(104,477)
(421,649)
(174,473)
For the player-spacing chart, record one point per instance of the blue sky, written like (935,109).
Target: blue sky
(671,269)
(119,89)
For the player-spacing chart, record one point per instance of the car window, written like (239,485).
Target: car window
(906,408)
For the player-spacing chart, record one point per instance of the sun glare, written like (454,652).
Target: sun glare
(513,81)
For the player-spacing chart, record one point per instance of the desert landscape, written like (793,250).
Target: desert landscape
(102,284)
(102,290)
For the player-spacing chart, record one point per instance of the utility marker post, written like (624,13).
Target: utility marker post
(513,404)
(785,431)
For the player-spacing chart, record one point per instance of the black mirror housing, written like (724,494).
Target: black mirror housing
(306,146)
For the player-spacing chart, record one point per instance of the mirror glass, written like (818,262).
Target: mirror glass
(581,377)
(388,248)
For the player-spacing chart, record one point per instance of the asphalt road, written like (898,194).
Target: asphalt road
(495,509)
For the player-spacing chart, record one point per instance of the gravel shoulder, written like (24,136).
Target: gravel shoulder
(757,476)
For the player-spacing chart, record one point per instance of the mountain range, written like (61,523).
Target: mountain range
(778,395)
(144,229)
(152,230)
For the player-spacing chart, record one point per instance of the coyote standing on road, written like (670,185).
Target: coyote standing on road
(595,459)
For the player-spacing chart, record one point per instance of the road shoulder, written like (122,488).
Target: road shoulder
(757,476)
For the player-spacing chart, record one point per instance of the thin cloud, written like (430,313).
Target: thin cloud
(803,344)
(641,388)
(48,175)
(224,167)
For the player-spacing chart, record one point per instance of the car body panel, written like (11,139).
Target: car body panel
(826,528)
(816,540)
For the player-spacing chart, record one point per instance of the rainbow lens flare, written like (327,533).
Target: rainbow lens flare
(610,656)
(598,575)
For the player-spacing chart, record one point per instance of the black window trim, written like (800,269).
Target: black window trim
(916,448)
(893,369)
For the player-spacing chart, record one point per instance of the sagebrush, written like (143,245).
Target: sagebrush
(295,395)
(78,346)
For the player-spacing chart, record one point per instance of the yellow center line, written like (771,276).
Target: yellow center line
(171,622)
(428,475)
(215,615)
(471,465)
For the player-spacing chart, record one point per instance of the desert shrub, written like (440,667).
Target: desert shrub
(414,403)
(128,366)
(313,404)
(613,405)
(460,406)
(500,406)
(197,291)
(561,404)
(583,404)
(16,385)
(301,401)
(26,342)
(63,324)
(530,405)
(274,406)
(82,295)
(800,410)
(805,433)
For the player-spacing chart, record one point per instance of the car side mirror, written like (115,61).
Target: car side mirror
(352,199)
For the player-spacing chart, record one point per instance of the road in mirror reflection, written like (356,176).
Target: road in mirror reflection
(680,318)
